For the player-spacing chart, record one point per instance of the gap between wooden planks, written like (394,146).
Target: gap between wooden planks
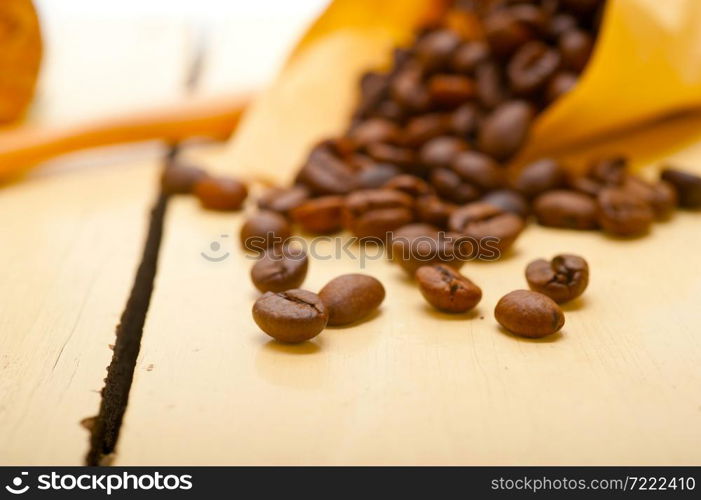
(411,386)
(70,245)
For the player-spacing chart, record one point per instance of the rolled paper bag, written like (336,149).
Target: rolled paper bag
(20,57)
(646,64)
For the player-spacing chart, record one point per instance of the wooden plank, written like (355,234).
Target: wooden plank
(411,386)
(70,245)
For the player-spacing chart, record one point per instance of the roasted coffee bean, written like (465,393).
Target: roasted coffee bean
(576,47)
(491,86)
(263,230)
(373,88)
(435,49)
(542,175)
(221,193)
(283,200)
(279,269)
(479,170)
(505,130)
(623,213)
(564,278)
(529,314)
(426,127)
(326,173)
(416,245)
(433,210)
(509,201)
(464,120)
(566,209)
(450,186)
(559,24)
(407,89)
(468,56)
(609,171)
(505,32)
(532,67)
(320,215)
(395,155)
(446,289)
(374,130)
(372,213)
(489,225)
(377,175)
(409,184)
(661,196)
(441,151)
(687,185)
(179,178)
(292,316)
(450,90)
(351,297)
(559,85)
(391,110)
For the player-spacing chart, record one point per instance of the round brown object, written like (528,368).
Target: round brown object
(351,297)
(264,230)
(624,213)
(566,209)
(292,316)
(280,269)
(505,130)
(20,57)
(446,289)
(529,314)
(320,215)
(373,213)
(564,278)
(221,193)
(283,200)
(487,223)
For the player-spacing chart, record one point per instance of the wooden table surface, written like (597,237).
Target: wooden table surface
(619,385)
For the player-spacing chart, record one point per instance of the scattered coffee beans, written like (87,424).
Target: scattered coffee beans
(280,269)
(562,279)
(178,178)
(529,314)
(446,289)
(263,230)
(351,297)
(320,215)
(417,245)
(688,186)
(566,209)
(622,213)
(487,224)
(292,316)
(221,193)
(283,200)
(373,213)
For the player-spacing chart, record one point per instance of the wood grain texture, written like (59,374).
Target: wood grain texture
(412,386)
(70,247)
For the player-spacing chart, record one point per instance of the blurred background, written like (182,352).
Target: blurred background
(90,46)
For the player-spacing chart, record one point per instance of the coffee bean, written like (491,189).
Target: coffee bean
(623,213)
(479,170)
(446,289)
(326,173)
(409,184)
(509,201)
(279,269)
(263,230)
(408,90)
(563,279)
(576,47)
(688,186)
(482,221)
(449,91)
(416,245)
(450,186)
(532,67)
(529,314)
(583,7)
(283,200)
(372,213)
(387,153)
(178,178)
(351,297)
(491,86)
(505,130)
(540,176)
(376,175)
(292,316)
(609,171)
(221,193)
(464,120)
(661,196)
(566,209)
(320,215)
(374,130)
(468,56)
(559,85)
(435,49)
(433,210)
(426,127)
(441,151)
(505,32)
(559,24)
